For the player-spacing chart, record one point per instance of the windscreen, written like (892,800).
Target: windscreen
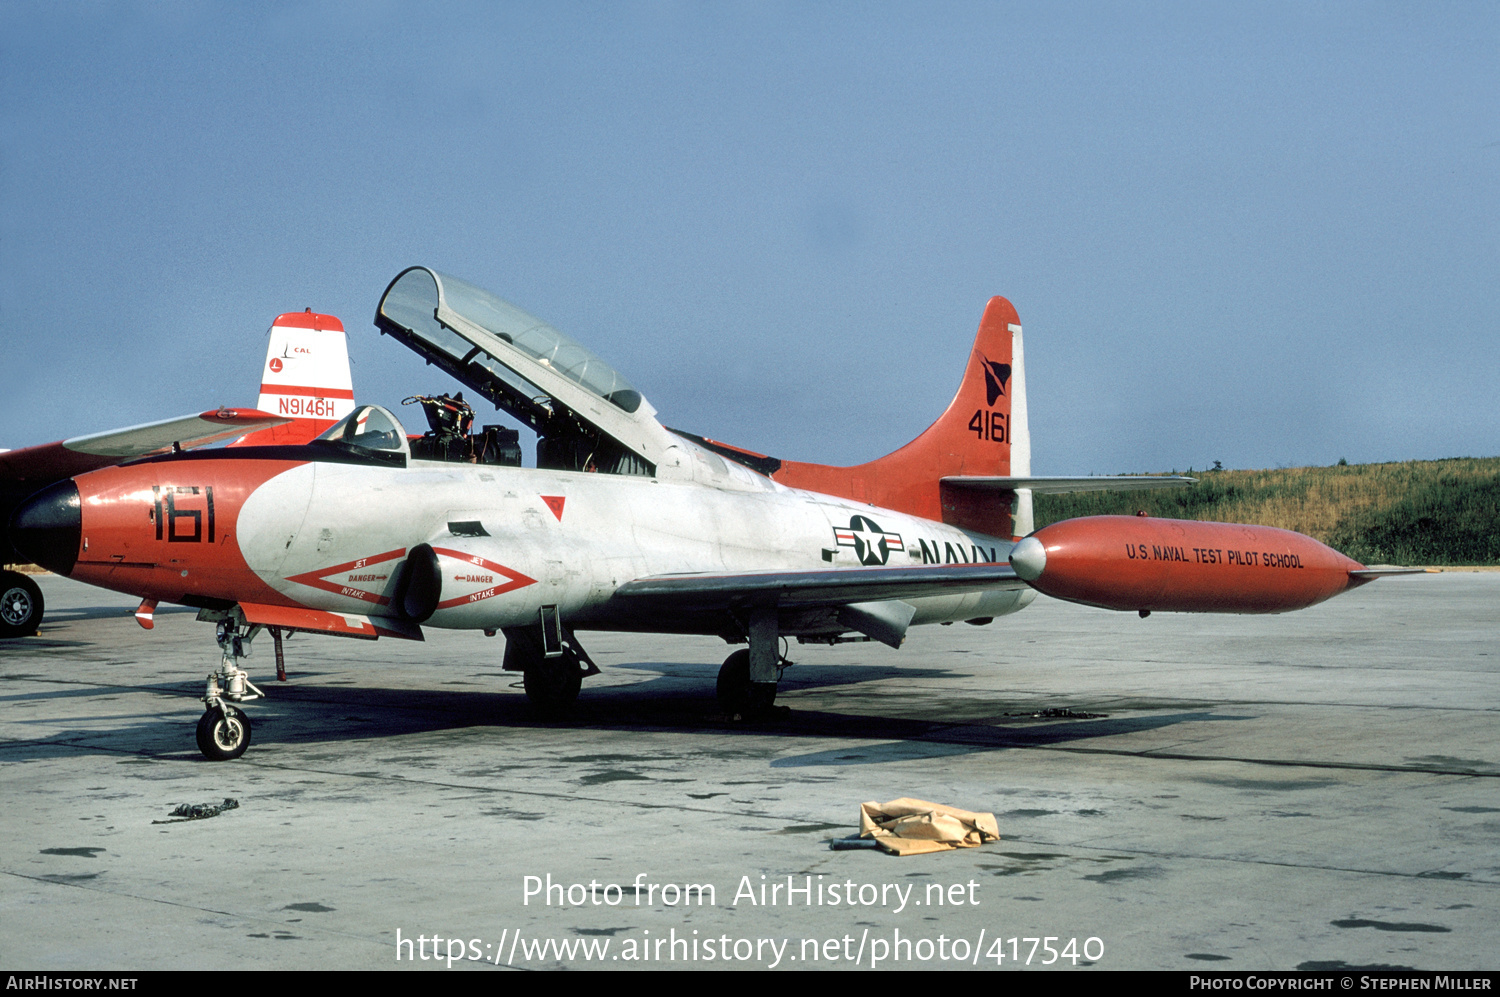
(370,427)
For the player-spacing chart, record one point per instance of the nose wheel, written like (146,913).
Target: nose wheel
(223,733)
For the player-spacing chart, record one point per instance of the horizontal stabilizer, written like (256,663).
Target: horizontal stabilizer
(1057,486)
(801,589)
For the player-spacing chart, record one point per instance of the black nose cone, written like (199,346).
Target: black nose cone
(47,527)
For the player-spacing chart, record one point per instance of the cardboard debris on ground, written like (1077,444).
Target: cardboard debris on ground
(912,827)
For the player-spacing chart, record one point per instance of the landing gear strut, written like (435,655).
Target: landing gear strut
(747,679)
(224,730)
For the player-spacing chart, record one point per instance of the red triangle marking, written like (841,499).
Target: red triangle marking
(555,503)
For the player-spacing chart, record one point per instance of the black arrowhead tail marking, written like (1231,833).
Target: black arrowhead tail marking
(995,376)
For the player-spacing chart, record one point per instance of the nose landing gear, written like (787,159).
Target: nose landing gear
(224,729)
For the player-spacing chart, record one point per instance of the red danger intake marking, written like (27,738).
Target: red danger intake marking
(513,579)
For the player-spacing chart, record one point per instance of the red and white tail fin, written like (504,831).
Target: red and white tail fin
(306,378)
(983,432)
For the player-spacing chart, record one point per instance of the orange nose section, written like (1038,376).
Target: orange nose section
(166,530)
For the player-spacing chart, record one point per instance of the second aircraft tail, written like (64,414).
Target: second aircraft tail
(305,378)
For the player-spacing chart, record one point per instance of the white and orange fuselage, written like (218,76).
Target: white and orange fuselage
(329,536)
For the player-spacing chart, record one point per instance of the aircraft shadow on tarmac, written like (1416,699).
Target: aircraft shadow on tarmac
(308,712)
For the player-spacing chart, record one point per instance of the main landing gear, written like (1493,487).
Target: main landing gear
(552,684)
(21,605)
(552,663)
(747,679)
(224,730)
(737,694)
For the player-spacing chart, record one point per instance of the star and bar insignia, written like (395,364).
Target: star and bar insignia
(871,544)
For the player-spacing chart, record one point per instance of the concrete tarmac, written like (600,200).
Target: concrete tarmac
(1316,790)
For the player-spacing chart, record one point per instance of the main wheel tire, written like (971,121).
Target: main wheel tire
(552,684)
(737,694)
(21,605)
(223,733)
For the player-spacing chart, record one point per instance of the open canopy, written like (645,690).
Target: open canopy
(420,305)
(586,414)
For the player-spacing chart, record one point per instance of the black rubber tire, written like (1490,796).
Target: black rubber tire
(737,694)
(552,684)
(223,734)
(21,605)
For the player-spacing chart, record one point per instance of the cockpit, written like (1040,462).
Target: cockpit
(369,434)
(368,427)
(586,415)
(372,433)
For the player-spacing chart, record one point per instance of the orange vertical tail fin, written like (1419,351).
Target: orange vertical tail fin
(983,432)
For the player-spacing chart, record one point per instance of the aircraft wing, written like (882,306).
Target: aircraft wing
(1056,486)
(801,589)
(66,458)
(871,601)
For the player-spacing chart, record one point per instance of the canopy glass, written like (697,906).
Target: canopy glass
(417,297)
(370,427)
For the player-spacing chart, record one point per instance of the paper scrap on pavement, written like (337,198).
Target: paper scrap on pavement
(912,827)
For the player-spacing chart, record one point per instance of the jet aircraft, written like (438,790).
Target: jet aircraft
(624,524)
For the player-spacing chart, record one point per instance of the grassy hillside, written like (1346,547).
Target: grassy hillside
(1415,512)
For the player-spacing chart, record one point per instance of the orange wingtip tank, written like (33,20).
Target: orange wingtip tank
(1183,566)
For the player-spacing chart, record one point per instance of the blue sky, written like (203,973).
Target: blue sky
(1265,234)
